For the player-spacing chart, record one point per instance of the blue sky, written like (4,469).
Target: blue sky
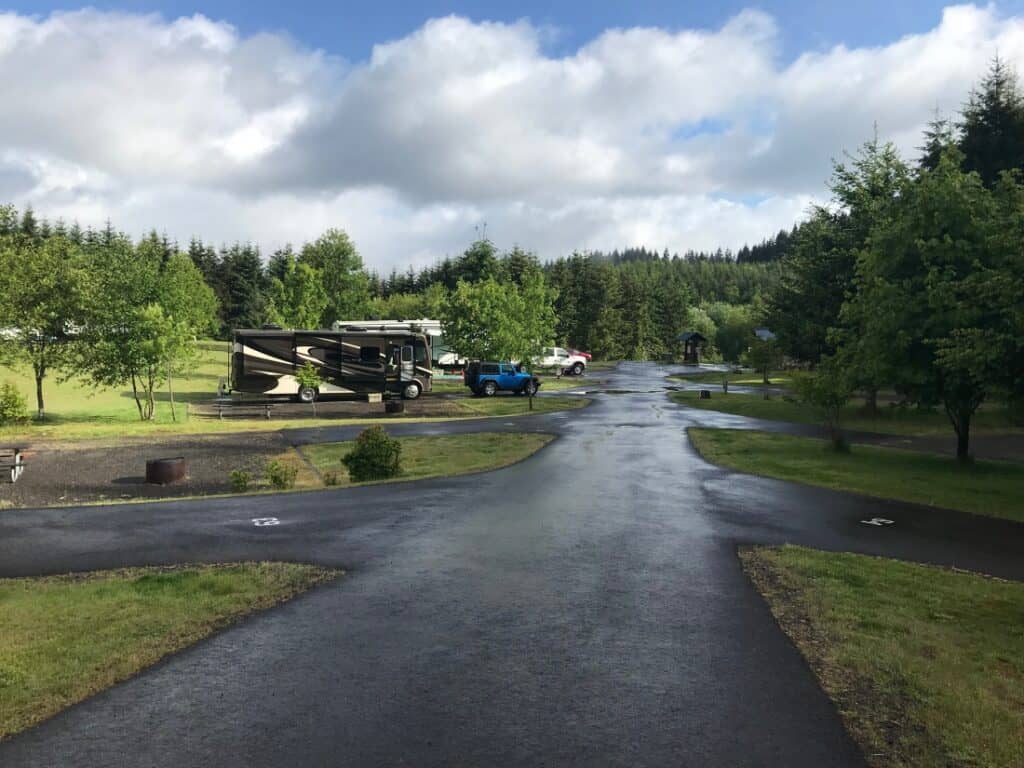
(583,125)
(349,29)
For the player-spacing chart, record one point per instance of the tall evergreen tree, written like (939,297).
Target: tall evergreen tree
(992,125)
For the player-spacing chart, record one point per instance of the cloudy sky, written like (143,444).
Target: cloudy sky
(592,127)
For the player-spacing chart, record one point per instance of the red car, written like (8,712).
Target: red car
(581,354)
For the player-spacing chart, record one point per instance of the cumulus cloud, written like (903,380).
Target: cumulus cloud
(666,138)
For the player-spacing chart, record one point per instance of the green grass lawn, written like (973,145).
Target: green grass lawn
(746,378)
(438,456)
(992,488)
(67,637)
(926,665)
(513,405)
(76,410)
(889,420)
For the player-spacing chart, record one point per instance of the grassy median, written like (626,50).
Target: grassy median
(67,637)
(926,665)
(437,456)
(889,419)
(992,488)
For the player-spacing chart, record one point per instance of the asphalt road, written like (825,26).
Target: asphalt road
(584,607)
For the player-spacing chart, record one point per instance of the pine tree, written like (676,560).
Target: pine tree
(992,125)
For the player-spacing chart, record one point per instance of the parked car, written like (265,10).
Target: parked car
(563,360)
(581,353)
(488,379)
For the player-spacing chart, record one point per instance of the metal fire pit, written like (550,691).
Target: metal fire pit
(165,471)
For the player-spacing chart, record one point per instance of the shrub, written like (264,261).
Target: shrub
(330,478)
(827,392)
(376,456)
(281,476)
(13,407)
(240,480)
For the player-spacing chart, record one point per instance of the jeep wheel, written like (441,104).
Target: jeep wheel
(531,388)
(411,390)
(490,389)
(577,369)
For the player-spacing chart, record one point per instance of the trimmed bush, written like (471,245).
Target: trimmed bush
(240,480)
(376,456)
(281,476)
(13,406)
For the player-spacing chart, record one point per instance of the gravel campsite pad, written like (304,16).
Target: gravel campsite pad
(71,474)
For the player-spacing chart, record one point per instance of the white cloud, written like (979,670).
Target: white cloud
(642,136)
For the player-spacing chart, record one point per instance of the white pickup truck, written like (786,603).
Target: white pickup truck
(561,359)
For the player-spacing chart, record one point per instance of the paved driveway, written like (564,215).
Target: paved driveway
(584,607)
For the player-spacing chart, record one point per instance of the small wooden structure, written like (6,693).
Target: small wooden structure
(692,342)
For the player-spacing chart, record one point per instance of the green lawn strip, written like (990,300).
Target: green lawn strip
(889,420)
(437,456)
(746,378)
(516,405)
(65,638)
(992,488)
(926,665)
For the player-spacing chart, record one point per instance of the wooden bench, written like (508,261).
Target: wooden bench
(220,410)
(12,465)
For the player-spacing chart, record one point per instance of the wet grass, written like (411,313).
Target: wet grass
(745,378)
(926,665)
(889,419)
(992,488)
(437,456)
(513,405)
(547,384)
(65,638)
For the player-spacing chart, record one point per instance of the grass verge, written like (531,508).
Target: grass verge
(926,665)
(889,419)
(513,405)
(68,637)
(438,456)
(992,488)
(746,378)
(547,384)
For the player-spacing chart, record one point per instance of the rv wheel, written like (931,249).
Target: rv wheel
(307,395)
(411,391)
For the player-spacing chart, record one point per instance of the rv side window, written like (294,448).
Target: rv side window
(369,354)
(406,354)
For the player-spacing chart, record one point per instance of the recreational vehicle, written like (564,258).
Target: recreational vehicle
(349,362)
(442,356)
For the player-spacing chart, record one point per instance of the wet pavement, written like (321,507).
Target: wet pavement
(584,607)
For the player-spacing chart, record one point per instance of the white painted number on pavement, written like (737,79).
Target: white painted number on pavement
(261,521)
(877,521)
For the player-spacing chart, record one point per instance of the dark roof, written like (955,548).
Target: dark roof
(691,335)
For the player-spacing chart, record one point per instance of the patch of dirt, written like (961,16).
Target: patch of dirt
(876,719)
(71,474)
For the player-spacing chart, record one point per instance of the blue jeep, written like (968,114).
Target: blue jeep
(488,379)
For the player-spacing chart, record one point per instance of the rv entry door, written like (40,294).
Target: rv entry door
(408,366)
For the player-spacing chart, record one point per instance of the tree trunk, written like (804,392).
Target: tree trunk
(871,401)
(170,391)
(40,372)
(963,435)
(138,401)
(764,379)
